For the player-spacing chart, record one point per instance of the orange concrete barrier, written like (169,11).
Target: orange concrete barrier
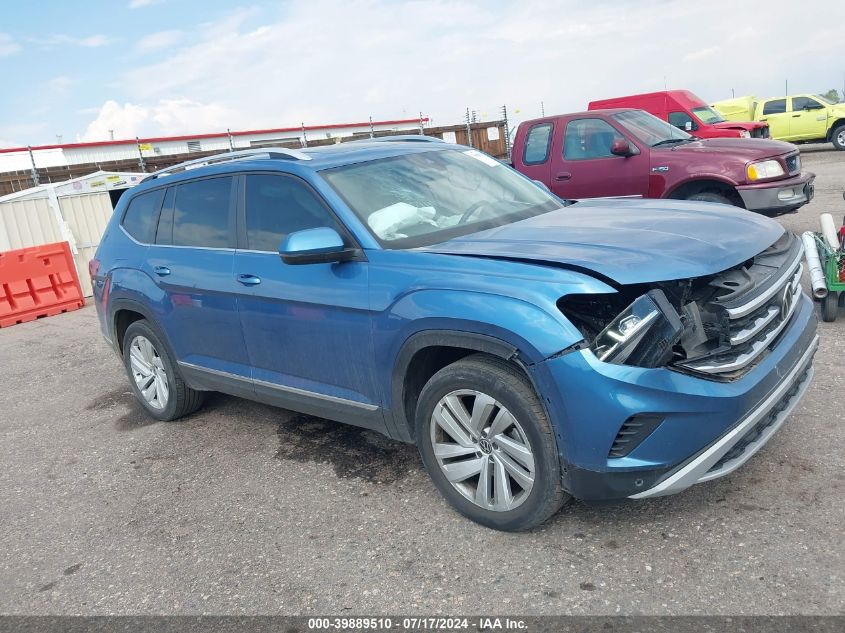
(36,282)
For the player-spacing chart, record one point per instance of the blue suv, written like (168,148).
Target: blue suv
(533,348)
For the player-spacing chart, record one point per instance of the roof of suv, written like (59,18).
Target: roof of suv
(311,158)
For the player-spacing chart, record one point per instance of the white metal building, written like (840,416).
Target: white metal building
(20,159)
(75,211)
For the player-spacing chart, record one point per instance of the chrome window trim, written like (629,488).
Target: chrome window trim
(201,248)
(293,390)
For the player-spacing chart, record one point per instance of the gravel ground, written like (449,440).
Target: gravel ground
(245,509)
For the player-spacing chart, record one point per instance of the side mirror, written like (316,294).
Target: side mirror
(688,126)
(315,246)
(621,147)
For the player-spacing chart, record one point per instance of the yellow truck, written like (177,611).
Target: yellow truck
(796,118)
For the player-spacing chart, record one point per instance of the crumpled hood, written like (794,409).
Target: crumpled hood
(629,241)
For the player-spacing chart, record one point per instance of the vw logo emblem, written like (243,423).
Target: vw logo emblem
(486,446)
(786,302)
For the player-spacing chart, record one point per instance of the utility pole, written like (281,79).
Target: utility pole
(542,109)
(422,132)
(231,142)
(469,129)
(372,134)
(304,139)
(507,132)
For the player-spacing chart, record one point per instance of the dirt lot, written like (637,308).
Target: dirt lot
(246,509)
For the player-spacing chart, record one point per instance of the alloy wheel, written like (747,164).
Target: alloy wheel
(149,372)
(482,450)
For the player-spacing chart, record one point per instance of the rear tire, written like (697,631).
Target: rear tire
(837,137)
(511,449)
(154,375)
(709,196)
(830,307)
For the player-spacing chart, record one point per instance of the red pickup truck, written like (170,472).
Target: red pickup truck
(625,152)
(688,112)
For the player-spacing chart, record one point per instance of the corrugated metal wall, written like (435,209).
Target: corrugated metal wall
(25,223)
(87,216)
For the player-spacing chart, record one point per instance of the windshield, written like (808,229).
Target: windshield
(708,115)
(649,129)
(424,198)
(826,100)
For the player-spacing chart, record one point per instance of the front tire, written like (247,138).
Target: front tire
(838,137)
(709,196)
(154,375)
(487,444)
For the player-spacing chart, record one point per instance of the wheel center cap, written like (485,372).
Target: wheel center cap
(486,446)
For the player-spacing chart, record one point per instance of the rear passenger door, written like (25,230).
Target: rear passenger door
(191,263)
(306,327)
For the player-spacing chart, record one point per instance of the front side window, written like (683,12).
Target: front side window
(277,206)
(708,115)
(537,144)
(201,213)
(805,103)
(649,129)
(680,120)
(777,106)
(423,198)
(142,216)
(588,138)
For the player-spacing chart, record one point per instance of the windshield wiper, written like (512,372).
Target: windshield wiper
(667,141)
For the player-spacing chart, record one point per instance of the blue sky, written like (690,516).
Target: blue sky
(160,67)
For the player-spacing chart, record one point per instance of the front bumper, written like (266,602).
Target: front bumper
(709,427)
(779,196)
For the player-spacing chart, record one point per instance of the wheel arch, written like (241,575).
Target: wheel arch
(688,188)
(833,127)
(425,353)
(124,312)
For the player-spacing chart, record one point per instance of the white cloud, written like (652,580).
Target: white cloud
(8,46)
(60,84)
(60,39)
(138,4)
(702,53)
(165,117)
(321,61)
(159,40)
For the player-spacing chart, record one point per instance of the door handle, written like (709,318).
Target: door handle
(161,271)
(564,175)
(795,115)
(249,280)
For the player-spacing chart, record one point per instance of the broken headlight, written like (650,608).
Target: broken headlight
(642,334)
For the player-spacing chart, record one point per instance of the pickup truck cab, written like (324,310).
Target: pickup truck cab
(688,112)
(803,118)
(631,153)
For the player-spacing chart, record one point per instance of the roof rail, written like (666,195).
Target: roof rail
(418,138)
(244,154)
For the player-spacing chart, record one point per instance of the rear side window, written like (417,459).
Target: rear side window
(201,213)
(277,206)
(142,216)
(537,144)
(776,106)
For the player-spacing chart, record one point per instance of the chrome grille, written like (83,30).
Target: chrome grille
(754,324)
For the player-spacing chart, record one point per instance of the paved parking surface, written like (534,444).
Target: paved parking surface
(247,509)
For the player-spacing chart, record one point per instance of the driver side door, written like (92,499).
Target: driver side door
(808,120)
(306,327)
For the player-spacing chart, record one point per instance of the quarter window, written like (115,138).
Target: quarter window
(201,213)
(277,206)
(537,144)
(777,106)
(142,216)
(588,138)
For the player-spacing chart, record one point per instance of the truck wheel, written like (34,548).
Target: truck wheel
(709,196)
(154,376)
(838,137)
(485,441)
(830,307)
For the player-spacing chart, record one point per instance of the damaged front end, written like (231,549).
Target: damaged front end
(717,326)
